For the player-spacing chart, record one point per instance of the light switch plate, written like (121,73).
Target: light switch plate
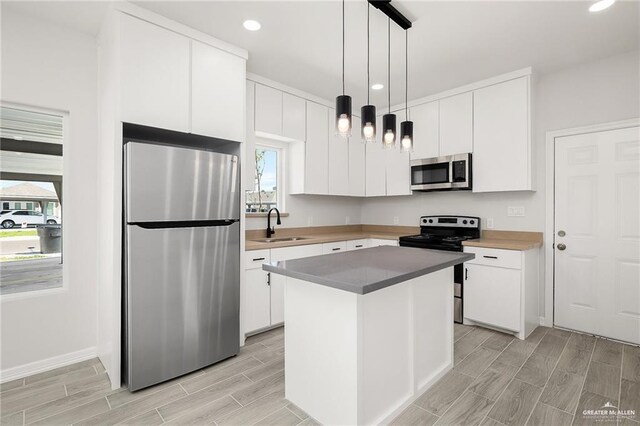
(396,220)
(310,221)
(347,220)
(515,211)
(489,223)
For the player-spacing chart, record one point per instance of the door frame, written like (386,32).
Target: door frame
(550,145)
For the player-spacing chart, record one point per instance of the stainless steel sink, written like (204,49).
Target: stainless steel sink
(278,240)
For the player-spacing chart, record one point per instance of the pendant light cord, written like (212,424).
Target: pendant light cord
(406,75)
(389,60)
(343,47)
(368,77)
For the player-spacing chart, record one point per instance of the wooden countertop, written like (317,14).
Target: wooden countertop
(326,234)
(507,240)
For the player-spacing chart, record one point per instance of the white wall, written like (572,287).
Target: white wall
(598,92)
(52,67)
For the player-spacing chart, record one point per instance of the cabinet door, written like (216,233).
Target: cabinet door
(217,93)
(375,174)
(250,144)
(376,242)
(338,159)
(317,150)
(155,74)
(456,124)
(357,244)
(426,130)
(268,111)
(257,308)
(356,161)
(398,172)
(502,149)
(492,296)
(293,117)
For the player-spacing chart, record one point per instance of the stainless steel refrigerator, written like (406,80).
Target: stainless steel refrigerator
(182,261)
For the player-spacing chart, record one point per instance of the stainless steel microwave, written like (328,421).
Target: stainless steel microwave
(449,173)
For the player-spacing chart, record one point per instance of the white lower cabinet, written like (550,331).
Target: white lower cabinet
(501,289)
(375,242)
(357,244)
(257,294)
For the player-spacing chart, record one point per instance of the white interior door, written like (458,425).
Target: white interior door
(597,233)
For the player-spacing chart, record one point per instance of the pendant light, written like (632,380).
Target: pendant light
(389,120)
(406,127)
(343,102)
(368,112)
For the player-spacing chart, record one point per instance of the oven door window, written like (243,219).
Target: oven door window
(430,173)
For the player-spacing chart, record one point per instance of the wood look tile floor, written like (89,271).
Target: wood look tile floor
(549,379)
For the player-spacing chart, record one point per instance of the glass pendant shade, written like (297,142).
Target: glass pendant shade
(406,136)
(343,115)
(368,115)
(389,130)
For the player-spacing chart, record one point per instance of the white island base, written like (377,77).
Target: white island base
(353,359)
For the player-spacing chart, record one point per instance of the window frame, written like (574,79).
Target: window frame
(280,148)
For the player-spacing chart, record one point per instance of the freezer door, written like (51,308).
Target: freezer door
(182,300)
(164,183)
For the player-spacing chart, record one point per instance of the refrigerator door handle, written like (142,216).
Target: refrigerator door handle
(184,224)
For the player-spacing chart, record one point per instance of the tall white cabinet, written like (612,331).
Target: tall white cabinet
(456,124)
(502,156)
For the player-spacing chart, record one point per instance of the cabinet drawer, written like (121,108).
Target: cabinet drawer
(336,247)
(356,244)
(495,257)
(254,259)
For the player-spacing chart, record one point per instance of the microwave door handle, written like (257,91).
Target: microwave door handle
(450,171)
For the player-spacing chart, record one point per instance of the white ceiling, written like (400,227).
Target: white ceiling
(451,43)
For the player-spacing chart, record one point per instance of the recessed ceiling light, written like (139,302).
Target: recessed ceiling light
(378,86)
(601,5)
(252,25)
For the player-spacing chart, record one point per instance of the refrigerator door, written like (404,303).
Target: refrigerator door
(170,184)
(183,298)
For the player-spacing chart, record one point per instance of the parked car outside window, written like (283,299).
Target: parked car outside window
(18,217)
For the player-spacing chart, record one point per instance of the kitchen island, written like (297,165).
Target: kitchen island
(367,331)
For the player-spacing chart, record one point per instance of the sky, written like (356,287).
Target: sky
(8,183)
(269,177)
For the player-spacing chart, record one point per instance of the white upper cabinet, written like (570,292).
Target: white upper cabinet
(316,179)
(279,115)
(375,174)
(217,93)
(250,145)
(338,159)
(155,75)
(356,161)
(398,172)
(426,130)
(268,111)
(456,124)
(293,117)
(502,146)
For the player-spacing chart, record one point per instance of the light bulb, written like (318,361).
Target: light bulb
(389,137)
(343,124)
(406,143)
(368,132)
(601,5)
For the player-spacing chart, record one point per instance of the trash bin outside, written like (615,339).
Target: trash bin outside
(50,238)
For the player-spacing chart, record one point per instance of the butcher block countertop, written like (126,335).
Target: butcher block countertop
(325,234)
(507,240)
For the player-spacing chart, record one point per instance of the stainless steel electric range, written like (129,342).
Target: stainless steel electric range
(447,233)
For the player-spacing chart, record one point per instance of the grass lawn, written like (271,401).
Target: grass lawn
(25,257)
(18,233)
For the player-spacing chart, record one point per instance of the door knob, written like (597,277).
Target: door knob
(561,233)
(561,246)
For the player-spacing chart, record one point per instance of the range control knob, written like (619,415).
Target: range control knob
(472,222)
(464,222)
(430,220)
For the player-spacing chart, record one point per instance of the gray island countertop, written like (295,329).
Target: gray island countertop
(367,270)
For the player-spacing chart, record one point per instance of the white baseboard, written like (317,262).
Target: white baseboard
(36,367)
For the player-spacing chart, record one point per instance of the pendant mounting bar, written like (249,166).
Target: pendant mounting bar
(385,7)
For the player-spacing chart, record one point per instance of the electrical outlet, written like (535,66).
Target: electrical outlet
(517,211)
(396,220)
(489,223)
(347,220)
(310,221)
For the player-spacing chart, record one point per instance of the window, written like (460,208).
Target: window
(267,192)
(31,187)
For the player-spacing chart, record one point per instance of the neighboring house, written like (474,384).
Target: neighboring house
(260,202)
(27,196)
